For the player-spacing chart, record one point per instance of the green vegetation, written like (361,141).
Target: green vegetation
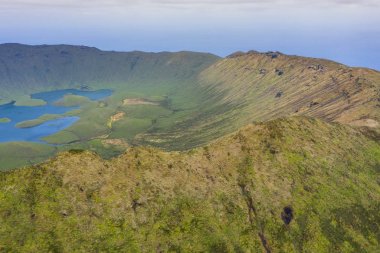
(39,121)
(28,101)
(4,120)
(292,184)
(45,68)
(5,101)
(18,154)
(63,137)
(128,128)
(72,100)
(262,86)
(75,112)
(289,185)
(131,75)
(194,98)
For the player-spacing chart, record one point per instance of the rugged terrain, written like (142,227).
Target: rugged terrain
(246,87)
(256,152)
(288,185)
(26,69)
(184,99)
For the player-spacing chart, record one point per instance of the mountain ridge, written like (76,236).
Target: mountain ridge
(201,97)
(263,86)
(275,54)
(256,152)
(26,69)
(272,186)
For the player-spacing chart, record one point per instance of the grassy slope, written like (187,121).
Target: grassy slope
(262,86)
(17,154)
(226,197)
(312,87)
(72,100)
(29,69)
(203,98)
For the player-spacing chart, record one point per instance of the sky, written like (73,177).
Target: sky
(347,31)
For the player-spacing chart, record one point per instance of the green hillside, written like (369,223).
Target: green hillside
(253,86)
(28,69)
(255,152)
(165,78)
(288,185)
(178,101)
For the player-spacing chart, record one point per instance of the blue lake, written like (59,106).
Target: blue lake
(9,131)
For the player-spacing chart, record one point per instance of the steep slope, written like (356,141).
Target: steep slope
(246,87)
(273,85)
(190,98)
(25,69)
(166,78)
(289,185)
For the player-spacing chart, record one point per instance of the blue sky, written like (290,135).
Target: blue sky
(343,30)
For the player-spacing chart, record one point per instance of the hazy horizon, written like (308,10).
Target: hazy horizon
(346,31)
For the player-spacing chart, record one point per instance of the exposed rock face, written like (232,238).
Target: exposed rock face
(279,72)
(279,94)
(287,215)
